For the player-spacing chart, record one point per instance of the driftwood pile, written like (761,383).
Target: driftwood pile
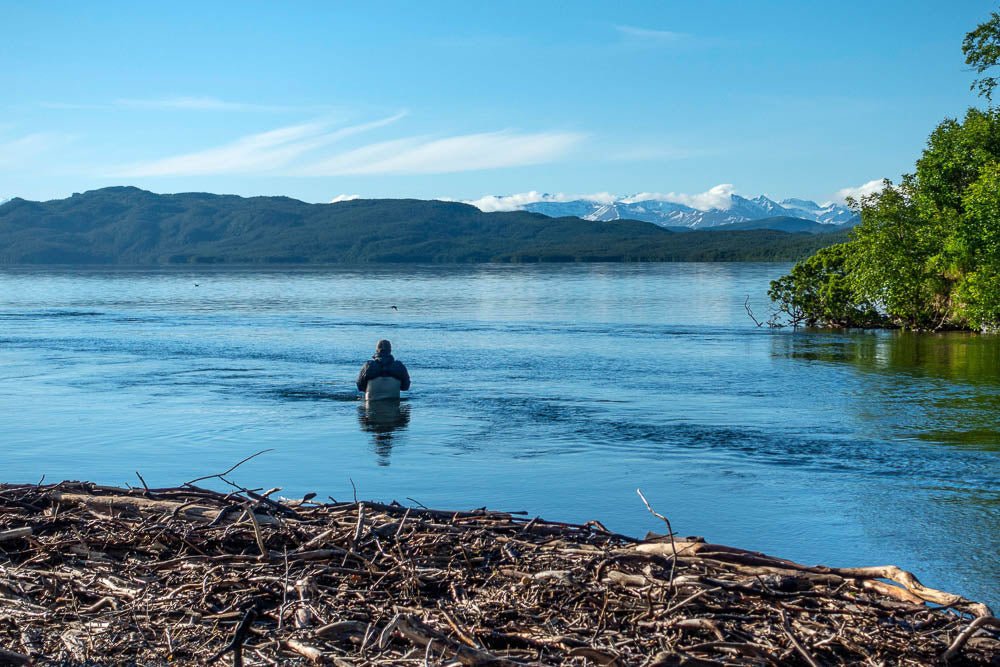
(95,575)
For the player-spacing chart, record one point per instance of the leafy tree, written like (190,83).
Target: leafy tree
(819,290)
(893,258)
(982,50)
(977,243)
(927,252)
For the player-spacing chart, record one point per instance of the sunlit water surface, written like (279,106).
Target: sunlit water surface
(556,389)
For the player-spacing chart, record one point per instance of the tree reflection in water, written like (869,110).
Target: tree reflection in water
(940,388)
(382,419)
(912,422)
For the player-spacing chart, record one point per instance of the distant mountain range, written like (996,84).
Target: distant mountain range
(126,225)
(674,214)
(779,222)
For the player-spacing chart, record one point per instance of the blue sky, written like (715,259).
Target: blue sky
(464,99)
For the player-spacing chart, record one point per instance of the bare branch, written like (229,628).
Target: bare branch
(219,475)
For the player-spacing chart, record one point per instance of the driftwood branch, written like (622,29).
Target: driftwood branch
(14,658)
(670,533)
(150,576)
(240,636)
(15,533)
(963,637)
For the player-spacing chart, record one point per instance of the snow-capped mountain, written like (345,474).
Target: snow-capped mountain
(674,214)
(579,208)
(828,213)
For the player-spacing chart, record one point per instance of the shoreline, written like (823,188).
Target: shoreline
(116,575)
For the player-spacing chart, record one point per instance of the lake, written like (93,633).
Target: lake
(554,389)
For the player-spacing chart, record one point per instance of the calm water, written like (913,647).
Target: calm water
(553,389)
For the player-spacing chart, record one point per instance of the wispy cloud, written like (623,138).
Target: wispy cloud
(263,152)
(651,36)
(871,187)
(16,152)
(179,103)
(71,106)
(426,155)
(197,104)
(295,151)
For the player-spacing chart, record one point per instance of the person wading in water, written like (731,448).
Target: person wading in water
(382,376)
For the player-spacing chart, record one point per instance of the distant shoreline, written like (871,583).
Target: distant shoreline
(222,266)
(129,226)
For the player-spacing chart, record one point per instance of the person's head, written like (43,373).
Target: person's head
(383,347)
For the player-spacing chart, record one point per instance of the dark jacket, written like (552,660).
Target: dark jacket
(383,365)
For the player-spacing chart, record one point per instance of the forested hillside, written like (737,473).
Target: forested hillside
(126,225)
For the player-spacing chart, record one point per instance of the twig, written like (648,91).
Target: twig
(284,594)
(312,653)
(417,632)
(240,636)
(690,598)
(746,304)
(359,528)
(811,661)
(287,511)
(670,532)
(264,553)
(198,479)
(402,522)
(458,631)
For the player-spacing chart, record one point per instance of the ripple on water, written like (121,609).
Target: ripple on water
(558,389)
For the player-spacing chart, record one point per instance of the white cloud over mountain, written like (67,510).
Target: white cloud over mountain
(871,187)
(493,203)
(716,206)
(718,197)
(340,198)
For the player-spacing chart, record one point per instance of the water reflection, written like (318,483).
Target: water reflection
(383,419)
(937,388)
(903,388)
(961,357)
